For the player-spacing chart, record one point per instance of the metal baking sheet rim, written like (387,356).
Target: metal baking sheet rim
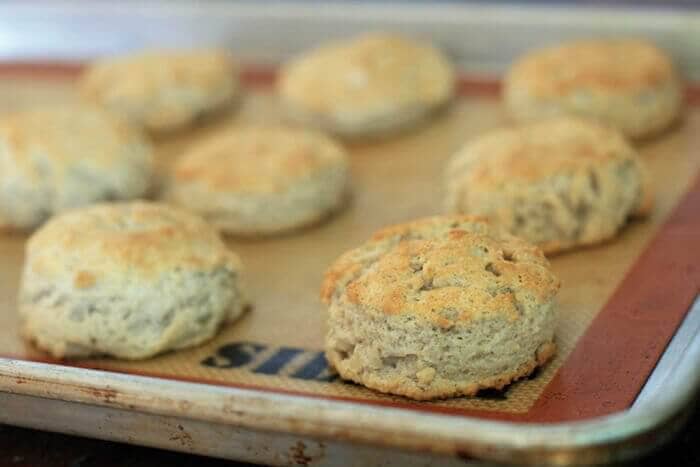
(596,440)
(480,36)
(463,29)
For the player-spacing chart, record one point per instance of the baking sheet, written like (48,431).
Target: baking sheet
(276,347)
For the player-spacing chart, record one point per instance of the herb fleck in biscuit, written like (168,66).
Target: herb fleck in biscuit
(160,90)
(129,280)
(440,307)
(261,180)
(60,158)
(372,84)
(626,83)
(560,183)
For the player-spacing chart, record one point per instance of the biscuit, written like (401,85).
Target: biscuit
(60,158)
(162,91)
(440,307)
(261,180)
(372,84)
(129,280)
(559,183)
(626,83)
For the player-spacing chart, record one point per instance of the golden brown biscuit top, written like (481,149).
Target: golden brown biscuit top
(605,65)
(258,159)
(126,240)
(446,269)
(368,74)
(536,151)
(67,136)
(152,72)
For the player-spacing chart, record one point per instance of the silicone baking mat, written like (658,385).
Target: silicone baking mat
(620,303)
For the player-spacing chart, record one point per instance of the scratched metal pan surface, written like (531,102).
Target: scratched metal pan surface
(261,390)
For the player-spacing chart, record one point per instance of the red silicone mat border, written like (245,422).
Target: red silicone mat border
(633,327)
(264,76)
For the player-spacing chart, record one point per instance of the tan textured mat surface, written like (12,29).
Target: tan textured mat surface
(276,345)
